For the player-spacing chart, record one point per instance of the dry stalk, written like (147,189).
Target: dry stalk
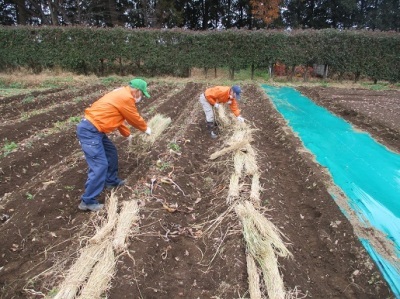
(254,278)
(80,270)
(103,272)
(128,215)
(112,215)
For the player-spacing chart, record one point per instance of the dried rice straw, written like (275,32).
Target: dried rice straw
(272,278)
(263,243)
(250,165)
(128,215)
(158,123)
(268,230)
(112,206)
(80,270)
(254,278)
(231,148)
(142,142)
(238,161)
(255,189)
(103,272)
(223,119)
(233,188)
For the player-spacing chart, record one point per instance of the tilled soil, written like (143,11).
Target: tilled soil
(178,249)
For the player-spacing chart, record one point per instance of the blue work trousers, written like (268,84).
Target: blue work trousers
(102,158)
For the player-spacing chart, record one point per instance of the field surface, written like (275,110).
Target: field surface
(187,243)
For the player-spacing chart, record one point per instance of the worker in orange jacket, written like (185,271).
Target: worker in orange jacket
(215,96)
(104,116)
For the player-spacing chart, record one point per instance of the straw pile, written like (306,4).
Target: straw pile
(142,142)
(128,215)
(112,215)
(103,272)
(263,243)
(80,270)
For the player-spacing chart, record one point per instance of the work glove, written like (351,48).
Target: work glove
(241,119)
(216,105)
(148,131)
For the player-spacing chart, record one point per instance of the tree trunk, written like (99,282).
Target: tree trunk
(325,71)
(22,14)
(53,7)
(232,73)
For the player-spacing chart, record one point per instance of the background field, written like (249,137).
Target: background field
(177,251)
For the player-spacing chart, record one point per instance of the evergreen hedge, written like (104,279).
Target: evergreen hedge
(153,52)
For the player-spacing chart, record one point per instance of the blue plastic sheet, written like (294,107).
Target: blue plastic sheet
(366,171)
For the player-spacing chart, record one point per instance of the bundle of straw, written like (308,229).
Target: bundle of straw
(158,123)
(233,191)
(80,270)
(142,142)
(231,148)
(222,118)
(250,161)
(238,162)
(129,214)
(103,272)
(112,206)
(263,242)
(255,189)
(254,278)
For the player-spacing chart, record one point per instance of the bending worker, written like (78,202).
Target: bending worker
(104,116)
(215,96)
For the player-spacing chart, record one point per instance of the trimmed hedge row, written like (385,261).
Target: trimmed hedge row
(174,52)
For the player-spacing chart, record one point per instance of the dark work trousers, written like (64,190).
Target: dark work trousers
(102,159)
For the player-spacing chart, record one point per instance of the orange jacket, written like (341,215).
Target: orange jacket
(110,112)
(220,94)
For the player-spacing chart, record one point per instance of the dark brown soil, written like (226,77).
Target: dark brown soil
(176,252)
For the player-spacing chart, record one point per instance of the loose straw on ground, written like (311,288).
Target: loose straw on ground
(112,215)
(100,278)
(80,270)
(129,214)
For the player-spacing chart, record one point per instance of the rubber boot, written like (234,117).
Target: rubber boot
(211,129)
